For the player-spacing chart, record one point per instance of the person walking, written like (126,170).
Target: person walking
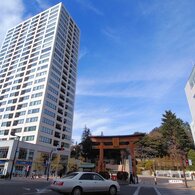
(33,175)
(155,179)
(131,180)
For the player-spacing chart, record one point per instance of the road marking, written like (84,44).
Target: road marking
(28,189)
(175,181)
(137,191)
(42,191)
(38,191)
(157,191)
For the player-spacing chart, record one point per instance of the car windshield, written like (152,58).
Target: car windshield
(70,176)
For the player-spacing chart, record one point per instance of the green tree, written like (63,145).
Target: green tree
(150,145)
(174,134)
(86,144)
(171,138)
(191,156)
(75,151)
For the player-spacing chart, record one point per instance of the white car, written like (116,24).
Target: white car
(77,183)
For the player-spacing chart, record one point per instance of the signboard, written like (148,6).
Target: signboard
(175,181)
(23,162)
(3,161)
(115,142)
(190,162)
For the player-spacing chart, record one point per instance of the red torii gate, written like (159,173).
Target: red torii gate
(126,142)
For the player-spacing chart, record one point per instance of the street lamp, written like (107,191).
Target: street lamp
(50,158)
(183,159)
(18,139)
(49,162)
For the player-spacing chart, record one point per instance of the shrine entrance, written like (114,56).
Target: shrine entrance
(105,144)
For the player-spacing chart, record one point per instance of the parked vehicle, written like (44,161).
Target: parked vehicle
(78,182)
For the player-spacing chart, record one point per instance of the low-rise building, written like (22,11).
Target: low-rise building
(22,158)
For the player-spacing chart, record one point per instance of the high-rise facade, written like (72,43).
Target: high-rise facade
(190,94)
(38,70)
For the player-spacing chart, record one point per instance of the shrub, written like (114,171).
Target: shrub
(125,175)
(122,175)
(105,174)
(119,175)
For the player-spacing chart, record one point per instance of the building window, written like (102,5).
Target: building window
(33,111)
(4,152)
(20,114)
(49,113)
(30,120)
(8,116)
(38,87)
(4,132)
(50,105)
(16,130)
(31,128)
(46,130)
(6,124)
(45,139)
(37,95)
(16,122)
(35,103)
(47,121)
(22,153)
(28,138)
(22,106)
(30,155)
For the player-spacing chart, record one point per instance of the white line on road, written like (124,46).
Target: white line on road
(28,189)
(38,191)
(157,191)
(137,191)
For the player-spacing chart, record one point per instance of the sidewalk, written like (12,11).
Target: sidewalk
(191,184)
(27,179)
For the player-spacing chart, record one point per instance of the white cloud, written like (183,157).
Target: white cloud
(82,118)
(43,4)
(11,15)
(111,33)
(83,52)
(88,5)
(108,121)
(154,82)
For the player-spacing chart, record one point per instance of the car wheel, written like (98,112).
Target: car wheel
(76,191)
(112,190)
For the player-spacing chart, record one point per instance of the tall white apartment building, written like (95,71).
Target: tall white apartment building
(190,94)
(38,70)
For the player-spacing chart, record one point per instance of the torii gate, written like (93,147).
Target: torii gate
(117,142)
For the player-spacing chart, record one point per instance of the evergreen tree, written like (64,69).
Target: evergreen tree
(86,143)
(151,145)
(171,138)
(175,137)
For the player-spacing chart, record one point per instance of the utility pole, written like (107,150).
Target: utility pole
(13,163)
(50,159)
(49,162)
(183,158)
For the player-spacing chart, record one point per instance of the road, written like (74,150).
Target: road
(146,186)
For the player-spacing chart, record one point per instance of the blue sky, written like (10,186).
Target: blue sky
(135,59)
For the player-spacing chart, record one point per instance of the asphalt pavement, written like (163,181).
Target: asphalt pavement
(146,186)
